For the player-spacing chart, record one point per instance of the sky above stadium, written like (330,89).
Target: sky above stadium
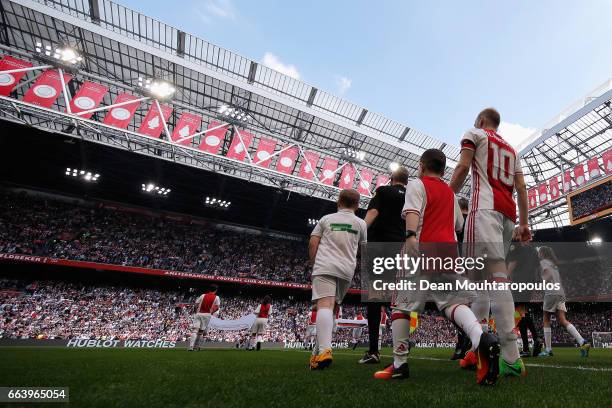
(430,66)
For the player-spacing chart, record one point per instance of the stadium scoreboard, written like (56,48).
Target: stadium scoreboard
(590,202)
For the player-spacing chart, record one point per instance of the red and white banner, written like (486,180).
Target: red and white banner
(122,115)
(543,193)
(158,272)
(567,181)
(593,166)
(213,139)
(607,161)
(309,165)
(579,174)
(553,188)
(286,159)
(237,149)
(381,180)
(89,96)
(265,148)
(531,198)
(153,123)
(365,182)
(328,170)
(188,124)
(347,179)
(9,81)
(46,89)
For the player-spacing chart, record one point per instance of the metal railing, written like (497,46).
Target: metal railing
(135,25)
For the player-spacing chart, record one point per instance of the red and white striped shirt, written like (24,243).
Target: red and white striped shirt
(263,310)
(313,317)
(435,203)
(494,166)
(383,318)
(208,303)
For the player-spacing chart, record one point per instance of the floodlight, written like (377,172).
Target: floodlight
(158,88)
(83,175)
(65,56)
(231,114)
(394,166)
(152,188)
(595,240)
(216,203)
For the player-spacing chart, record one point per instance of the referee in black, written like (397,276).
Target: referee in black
(385,224)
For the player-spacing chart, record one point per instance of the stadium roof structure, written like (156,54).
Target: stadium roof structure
(580,133)
(120,48)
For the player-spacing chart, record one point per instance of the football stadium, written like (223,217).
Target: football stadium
(184,226)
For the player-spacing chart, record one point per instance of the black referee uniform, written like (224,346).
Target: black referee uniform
(388,226)
(524,263)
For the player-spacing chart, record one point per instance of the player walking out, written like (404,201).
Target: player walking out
(385,224)
(496,173)
(333,253)
(524,266)
(432,217)
(357,331)
(311,330)
(383,325)
(206,306)
(463,343)
(554,303)
(258,329)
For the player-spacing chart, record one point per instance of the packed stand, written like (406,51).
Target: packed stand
(59,310)
(53,228)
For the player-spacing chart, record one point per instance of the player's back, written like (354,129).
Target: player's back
(263,311)
(494,166)
(437,206)
(207,303)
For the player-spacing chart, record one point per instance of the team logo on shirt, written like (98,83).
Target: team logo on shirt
(343,227)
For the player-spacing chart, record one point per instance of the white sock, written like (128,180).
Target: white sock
(325,323)
(380,332)
(400,330)
(480,308)
(548,338)
(192,340)
(502,306)
(572,330)
(463,317)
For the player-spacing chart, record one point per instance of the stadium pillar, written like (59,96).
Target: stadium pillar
(180,43)
(94,11)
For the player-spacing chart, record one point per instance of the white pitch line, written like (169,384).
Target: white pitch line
(562,367)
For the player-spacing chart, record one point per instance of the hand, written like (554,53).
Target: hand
(522,233)
(411,248)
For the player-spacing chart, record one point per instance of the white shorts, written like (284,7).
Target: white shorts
(201,321)
(327,286)
(259,326)
(488,232)
(311,330)
(357,332)
(552,303)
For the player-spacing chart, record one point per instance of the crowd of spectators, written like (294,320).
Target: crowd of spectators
(61,310)
(591,201)
(40,226)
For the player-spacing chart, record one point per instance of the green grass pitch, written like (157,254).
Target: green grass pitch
(224,378)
